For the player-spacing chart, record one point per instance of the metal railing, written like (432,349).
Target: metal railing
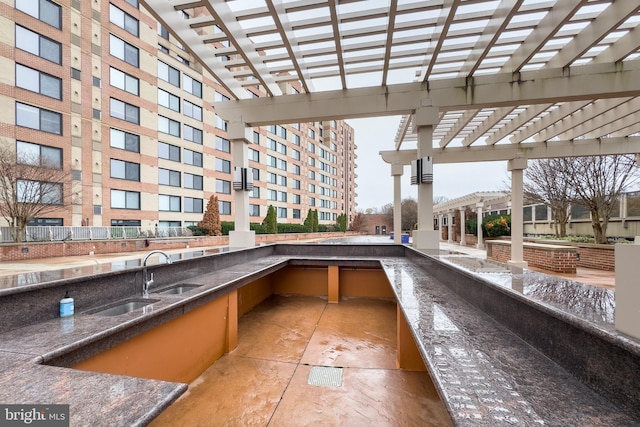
(65,233)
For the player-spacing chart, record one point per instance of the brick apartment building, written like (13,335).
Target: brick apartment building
(102,90)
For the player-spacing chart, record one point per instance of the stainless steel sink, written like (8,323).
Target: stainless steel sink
(123,307)
(178,289)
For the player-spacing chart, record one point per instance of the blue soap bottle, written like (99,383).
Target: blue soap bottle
(66,306)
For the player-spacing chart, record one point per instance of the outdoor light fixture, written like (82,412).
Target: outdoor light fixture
(422,171)
(242,179)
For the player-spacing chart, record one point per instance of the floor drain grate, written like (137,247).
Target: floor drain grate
(325,376)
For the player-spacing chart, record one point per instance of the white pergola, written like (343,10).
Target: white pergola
(474,80)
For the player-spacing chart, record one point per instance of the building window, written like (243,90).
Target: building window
(271,161)
(168,203)
(170,126)
(295,169)
(44,10)
(75,74)
(192,181)
(223,144)
(192,86)
(124,111)
(96,81)
(193,205)
(124,81)
(254,155)
(168,177)
(311,147)
(28,191)
(296,184)
(218,97)
(256,138)
(255,193)
(311,175)
(224,207)
(124,140)
(125,170)
(38,118)
(181,59)
(163,32)
(38,82)
(311,161)
(133,3)
(223,187)
(163,49)
(296,139)
(192,158)
(96,114)
(38,155)
(282,212)
(221,124)
(38,45)
(282,196)
(192,110)
(168,74)
(223,165)
(282,180)
(296,199)
(254,210)
(271,178)
(256,174)
(123,20)
(282,164)
(168,151)
(192,134)
(125,199)
(124,51)
(296,213)
(168,100)
(295,154)
(312,188)
(272,195)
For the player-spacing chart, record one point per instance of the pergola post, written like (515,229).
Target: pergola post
(479,206)
(516,167)
(425,237)
(242,237)
(396,172)
(463,239)
(449,227)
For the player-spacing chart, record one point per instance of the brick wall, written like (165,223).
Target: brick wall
(548,257)
(31,250)
(591,255)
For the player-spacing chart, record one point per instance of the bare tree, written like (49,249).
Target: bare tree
(357,224)
(409,213)
(31,186)
(598,182)
(546,183)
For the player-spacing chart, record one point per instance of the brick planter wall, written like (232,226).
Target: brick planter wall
(39,250)
(599,257)
(560,259)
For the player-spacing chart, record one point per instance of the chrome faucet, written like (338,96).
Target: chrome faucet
(146,279)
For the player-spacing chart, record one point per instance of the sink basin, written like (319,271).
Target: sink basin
(123,307)
(178,289)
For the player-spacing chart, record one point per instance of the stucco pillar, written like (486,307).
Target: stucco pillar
(440,226)
(242,237)
(463,240)
(425,237)
(396,172)
(449,227)
(479,206)
(516,167)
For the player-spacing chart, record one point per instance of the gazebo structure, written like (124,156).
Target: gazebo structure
(485,80)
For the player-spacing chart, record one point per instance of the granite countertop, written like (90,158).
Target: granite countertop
(97,398)
(485,374)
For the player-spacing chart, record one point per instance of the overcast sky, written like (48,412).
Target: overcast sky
(375,184)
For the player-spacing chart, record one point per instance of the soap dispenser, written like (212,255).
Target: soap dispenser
(66,305)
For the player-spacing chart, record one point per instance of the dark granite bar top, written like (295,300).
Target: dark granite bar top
(485,373)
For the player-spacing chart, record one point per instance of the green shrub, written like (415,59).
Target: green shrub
(198,231)
(496,225)
(291,228)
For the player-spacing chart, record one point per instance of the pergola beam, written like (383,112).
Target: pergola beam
(531,151)
(584,82)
